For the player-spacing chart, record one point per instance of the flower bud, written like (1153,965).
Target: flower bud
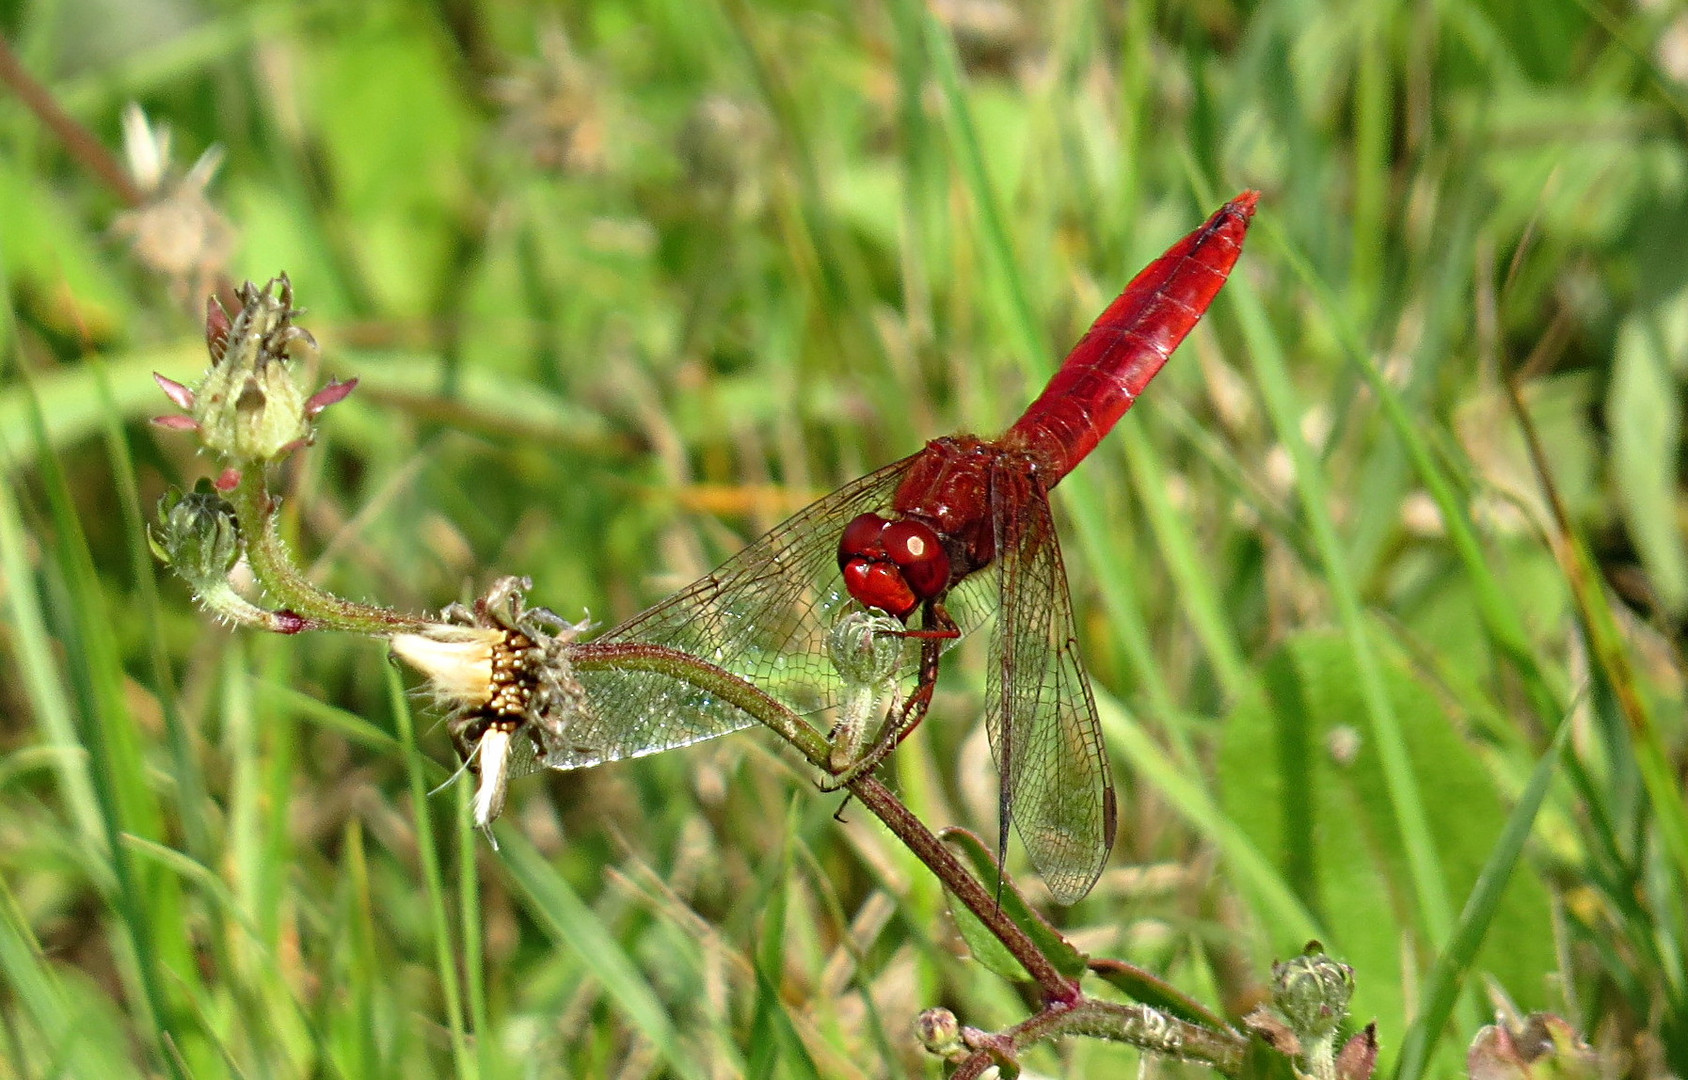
(249,407)
(864,648)
(1311,993)
(939,1033)
(198,536)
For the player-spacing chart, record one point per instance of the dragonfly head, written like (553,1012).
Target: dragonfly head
(894,566)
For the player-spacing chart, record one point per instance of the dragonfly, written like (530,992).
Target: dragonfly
(928,549)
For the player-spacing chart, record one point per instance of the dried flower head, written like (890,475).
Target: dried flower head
(501,671)
(553,109)
(249,407)
(1540,1046)
(176,231)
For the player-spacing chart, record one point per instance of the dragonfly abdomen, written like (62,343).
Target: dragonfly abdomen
(1127,346)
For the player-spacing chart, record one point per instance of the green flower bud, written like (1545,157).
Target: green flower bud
(1311,993)
(864,649)
(198,536)
(939,1032)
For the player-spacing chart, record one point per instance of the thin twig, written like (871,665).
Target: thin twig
(77,139)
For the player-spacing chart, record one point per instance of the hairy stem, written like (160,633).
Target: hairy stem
(274,569)
(1148,1029)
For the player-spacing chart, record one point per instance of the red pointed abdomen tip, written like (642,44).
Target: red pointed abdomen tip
(1130,342)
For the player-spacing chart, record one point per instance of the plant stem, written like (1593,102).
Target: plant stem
(872,794)
(1146,1028)
(914,834)
(274,569)
(78,140)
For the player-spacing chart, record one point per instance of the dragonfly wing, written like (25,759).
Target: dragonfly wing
(1056,787)
(762,616)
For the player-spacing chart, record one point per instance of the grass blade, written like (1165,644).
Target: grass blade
(1434,907)
(1454,962)
(445,959)
(573,925)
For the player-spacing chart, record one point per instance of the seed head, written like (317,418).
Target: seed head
(249,407)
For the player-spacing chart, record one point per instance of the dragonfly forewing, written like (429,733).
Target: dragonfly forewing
(764,616)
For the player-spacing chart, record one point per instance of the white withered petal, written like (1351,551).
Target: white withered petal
(457,661)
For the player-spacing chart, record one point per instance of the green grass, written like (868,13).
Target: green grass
(1358,680)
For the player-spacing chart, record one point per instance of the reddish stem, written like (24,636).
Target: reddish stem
(77,139)
(1057,988)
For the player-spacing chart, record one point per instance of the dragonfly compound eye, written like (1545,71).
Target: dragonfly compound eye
(880,585)
(915,549)
(861,540)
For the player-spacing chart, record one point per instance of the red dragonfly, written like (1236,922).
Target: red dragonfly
(935,542)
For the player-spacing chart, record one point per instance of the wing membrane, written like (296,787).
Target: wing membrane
(763,615)
(1041,717)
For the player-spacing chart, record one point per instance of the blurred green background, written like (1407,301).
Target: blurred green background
(627,283)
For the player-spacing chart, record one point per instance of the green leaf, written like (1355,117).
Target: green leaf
(1289,919)
(986,948)
(1301,776)
(1475,922)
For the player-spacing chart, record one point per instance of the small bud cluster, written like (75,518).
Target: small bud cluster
(249,411)
(500,668)
(553,108)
